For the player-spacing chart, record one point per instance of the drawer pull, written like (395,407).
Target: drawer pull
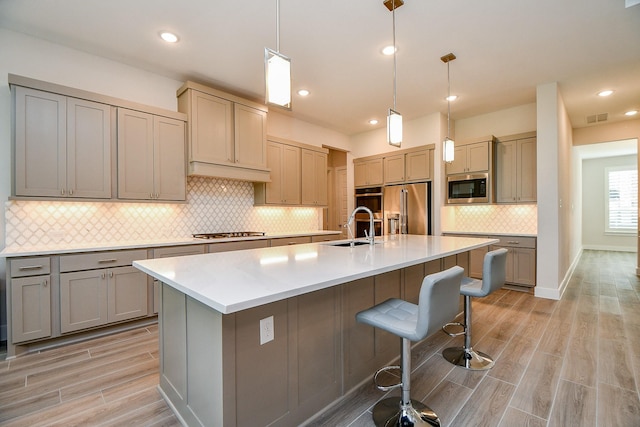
(292,243)
(30,267)
(513,242)
(104,261)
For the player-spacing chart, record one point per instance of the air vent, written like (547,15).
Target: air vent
(597,118)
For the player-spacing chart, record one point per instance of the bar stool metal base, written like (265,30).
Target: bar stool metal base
(468,358)
(390,412)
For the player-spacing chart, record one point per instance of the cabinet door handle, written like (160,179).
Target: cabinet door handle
(45,283)
(111,274)
(104,261)
(103,276)
(71,192)
(30,267)
(62,191)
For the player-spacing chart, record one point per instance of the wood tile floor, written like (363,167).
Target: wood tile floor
(573,362)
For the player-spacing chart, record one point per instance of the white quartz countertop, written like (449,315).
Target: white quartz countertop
(60,248)
(238,280)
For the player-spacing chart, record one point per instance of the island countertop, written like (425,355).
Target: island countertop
(233,281)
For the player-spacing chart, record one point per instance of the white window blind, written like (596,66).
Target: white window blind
(622,199)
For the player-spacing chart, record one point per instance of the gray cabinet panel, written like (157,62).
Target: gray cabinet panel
(83,300)
(30,308)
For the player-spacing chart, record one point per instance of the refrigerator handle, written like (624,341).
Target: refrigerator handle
(403,211)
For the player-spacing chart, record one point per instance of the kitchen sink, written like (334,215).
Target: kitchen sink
(348,244)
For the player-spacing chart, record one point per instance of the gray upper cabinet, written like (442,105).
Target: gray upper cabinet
(471,157)
(516,169)
(227,135)
(62,146)
(151,157)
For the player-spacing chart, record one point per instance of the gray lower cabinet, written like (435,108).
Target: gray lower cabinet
(31,304)
(29,298)
(92,296)
(98,297)
(521,258)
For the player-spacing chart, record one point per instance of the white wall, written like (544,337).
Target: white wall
(421,131)
(554,193)
(593,207)
(510,121)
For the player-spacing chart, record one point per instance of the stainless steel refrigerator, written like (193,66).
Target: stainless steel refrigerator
(407,208)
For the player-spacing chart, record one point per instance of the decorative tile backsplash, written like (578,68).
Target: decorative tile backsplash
(503,219)
(213,205)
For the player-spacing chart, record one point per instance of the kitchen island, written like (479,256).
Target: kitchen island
(268,336)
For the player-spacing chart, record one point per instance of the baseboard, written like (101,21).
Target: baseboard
(609,248)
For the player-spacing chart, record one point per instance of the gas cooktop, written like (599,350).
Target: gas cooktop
(228,234)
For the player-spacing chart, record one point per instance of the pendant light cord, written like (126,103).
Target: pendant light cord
(394,53)
(448,102)
(278,26)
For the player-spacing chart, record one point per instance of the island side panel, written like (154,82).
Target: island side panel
(191,359)
(316,371)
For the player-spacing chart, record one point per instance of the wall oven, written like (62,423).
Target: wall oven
(371,198)
(468,188)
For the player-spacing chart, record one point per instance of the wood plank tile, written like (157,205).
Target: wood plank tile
(446,400)
(554,340)
(617,407)
(55,413)
(574,404)
(112,410)
(537,388)
(513,362)
(582,361)
(515,417)
(32,404)
(534,325)
(428,375)
(109,379)
(133,385)
(486,405)
(614,364)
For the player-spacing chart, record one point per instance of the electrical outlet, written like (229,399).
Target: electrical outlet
(266,330)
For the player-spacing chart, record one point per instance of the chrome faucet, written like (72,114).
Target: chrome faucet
(371,235)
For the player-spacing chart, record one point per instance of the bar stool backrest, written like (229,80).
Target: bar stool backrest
(438,301)
(494,271)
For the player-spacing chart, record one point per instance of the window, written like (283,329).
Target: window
(621,200)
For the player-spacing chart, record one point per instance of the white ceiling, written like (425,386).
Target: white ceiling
(505,48)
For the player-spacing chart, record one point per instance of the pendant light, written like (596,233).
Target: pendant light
(277,70)
(448,145)
(394,119)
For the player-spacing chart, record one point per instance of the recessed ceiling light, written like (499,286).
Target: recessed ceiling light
(168,37)
(451,98)
(631,113)
(605,92)
(388,50)
(373,122)
(303,92)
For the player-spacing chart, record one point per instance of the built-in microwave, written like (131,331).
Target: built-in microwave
(468,188)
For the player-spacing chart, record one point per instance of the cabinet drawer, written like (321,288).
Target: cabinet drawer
(237,246)
(178,251)
(290,241)
(516,241)
(95,260)
(35,266)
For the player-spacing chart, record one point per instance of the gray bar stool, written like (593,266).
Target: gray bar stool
(493,278)
(437,304)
